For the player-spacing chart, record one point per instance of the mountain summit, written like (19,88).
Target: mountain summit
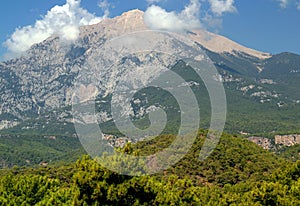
(42,79)
(133,21)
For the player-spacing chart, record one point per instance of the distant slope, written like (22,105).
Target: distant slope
(31,150)
(284,69)
(220,44)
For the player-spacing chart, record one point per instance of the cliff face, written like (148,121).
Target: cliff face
(42,79)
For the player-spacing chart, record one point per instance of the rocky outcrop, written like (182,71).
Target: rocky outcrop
(262,141)
(115,141)
(279,140)
(287,140)
(5,124)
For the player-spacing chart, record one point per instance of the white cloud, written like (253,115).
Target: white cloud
(104,5)
(212,22)
(283,3)
(219,7)
(62,20)
(188,19)
(298,5)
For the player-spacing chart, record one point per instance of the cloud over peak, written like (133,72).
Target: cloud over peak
(62,20)
(158,18)
(190,17)
(66,20)
(219,7)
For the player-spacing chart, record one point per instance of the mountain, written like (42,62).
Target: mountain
(39,85)
(37,120)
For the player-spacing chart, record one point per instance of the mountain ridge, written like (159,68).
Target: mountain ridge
(211,41)
(42,79)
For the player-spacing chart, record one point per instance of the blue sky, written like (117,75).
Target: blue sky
(266,25)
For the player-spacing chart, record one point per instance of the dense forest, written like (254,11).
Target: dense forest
(237,173)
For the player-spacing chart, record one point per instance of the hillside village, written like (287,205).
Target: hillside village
(279,140)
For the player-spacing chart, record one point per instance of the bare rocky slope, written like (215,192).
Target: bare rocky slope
(42,79)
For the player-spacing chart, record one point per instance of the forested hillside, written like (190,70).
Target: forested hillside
(238,172)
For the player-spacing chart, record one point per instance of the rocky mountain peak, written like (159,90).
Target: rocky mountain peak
(133,20)
(42,79)
(130,21)
(133,13)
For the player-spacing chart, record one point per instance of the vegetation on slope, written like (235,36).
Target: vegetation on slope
(30,150)
(238,172)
